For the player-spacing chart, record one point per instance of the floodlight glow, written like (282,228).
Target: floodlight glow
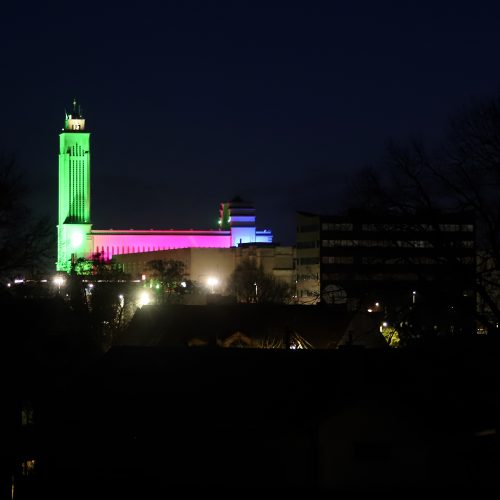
(59,281)
(144,299)
(183,284)
(212,282)
(76,239)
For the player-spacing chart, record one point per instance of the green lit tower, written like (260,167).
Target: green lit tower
(74,237)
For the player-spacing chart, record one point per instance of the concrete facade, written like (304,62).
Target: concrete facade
(219,263)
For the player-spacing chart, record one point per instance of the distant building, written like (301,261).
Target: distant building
(217,264)
(362,258)
(76,238)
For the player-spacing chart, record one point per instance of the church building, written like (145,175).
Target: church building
(76,238)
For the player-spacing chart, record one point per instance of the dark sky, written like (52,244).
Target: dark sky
(191,103)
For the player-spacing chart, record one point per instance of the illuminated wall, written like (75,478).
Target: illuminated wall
(110,243)
(263,236)
(73,229)
(201,264)
(239,216)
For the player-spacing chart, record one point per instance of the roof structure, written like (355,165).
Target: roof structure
(267,325)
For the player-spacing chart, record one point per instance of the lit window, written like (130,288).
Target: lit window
(28,467)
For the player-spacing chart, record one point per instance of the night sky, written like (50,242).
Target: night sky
(192,103)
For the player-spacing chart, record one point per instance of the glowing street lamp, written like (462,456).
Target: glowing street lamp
(144,299)
(59,281)
(212,282)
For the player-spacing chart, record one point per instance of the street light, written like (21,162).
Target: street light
(144,299)
(212,282)
(59,281)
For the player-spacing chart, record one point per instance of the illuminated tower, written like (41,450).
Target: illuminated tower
(238,216)
(73,230)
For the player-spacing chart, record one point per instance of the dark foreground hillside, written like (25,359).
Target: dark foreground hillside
(147,420)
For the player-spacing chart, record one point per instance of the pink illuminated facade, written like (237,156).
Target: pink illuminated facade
(110,243)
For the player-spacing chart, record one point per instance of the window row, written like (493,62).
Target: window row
(469,259)
(308,261)
(330,226)
(419,227)
(308,277)
(338,259)
(396,243)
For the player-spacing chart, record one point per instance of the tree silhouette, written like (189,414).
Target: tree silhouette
(167,277)
(250,284)
(25,241)
(461,174)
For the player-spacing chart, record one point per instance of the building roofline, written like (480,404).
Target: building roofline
(172,232)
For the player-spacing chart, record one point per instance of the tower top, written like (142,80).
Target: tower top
(75,121)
